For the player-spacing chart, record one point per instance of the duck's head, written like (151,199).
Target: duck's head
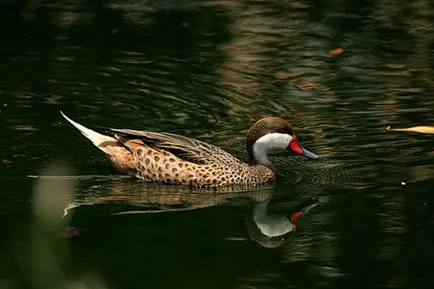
(272,133)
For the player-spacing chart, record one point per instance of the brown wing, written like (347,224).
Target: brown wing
(188,149)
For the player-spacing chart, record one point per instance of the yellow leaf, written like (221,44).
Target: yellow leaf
(336,51)
(421,129)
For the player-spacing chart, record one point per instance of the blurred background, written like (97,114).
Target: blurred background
(339,71)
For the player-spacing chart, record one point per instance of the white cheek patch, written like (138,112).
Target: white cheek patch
(268,142)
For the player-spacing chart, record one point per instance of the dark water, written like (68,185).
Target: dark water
(206,69)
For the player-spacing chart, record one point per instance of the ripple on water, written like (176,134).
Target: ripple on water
(318,174)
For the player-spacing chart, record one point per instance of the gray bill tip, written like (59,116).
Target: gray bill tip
(309,154)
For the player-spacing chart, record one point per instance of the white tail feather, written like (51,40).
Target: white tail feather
(93,136)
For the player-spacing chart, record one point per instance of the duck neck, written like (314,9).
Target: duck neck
(260,157)
(258,151)
(259,154)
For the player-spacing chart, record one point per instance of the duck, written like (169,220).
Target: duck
(161,157)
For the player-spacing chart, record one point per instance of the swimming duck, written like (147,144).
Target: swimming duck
(174,159)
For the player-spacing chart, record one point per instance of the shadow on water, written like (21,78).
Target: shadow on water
(206,69)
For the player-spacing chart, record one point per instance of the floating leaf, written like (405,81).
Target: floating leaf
(336,51)
(420,129)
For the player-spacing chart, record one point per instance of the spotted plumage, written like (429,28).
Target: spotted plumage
(174,159)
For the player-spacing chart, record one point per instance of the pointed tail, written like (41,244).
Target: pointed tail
(96,138)
(120,157)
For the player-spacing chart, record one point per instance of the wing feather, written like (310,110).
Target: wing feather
(185,148)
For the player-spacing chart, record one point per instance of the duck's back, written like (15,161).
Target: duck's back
(172,159)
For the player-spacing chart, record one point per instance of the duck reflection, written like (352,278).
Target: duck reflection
(268,229)
(154,198)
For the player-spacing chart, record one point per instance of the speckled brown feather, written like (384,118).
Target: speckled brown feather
(173,159)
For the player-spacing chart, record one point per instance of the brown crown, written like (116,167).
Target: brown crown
(264,126)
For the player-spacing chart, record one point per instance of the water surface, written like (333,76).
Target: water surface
(207,69)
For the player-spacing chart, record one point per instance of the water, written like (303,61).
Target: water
(207,69)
